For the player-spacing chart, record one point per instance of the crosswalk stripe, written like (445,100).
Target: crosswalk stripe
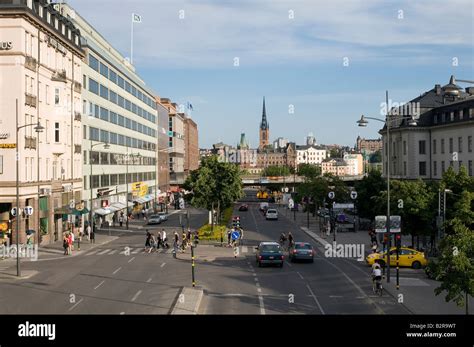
(103,252)
(136,251)
(112,252)
(245,249)
(92,252)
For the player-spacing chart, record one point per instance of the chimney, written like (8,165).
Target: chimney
(437,89)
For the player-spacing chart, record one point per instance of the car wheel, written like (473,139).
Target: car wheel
(416,265)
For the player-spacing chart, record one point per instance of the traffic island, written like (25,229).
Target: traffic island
(188,301)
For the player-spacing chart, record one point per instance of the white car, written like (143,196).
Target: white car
(163,216)
(271,214)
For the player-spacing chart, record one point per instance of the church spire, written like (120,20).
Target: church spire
(264,123)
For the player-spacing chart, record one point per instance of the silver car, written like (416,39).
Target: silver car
(163,216)
(271,214)
(154,219)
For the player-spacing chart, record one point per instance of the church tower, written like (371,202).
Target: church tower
(264,129)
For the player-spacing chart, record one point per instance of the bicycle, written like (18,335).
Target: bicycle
(377,287)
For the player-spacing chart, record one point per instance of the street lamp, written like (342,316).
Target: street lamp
(38,129)
(363,122)
(126,180)
(106,146)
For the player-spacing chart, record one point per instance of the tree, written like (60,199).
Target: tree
(455,266)
(276,171)
(376,157)
(214,183)
(458,183)
(367,190)
(309,170)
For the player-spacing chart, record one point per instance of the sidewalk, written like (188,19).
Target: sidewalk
(417,289)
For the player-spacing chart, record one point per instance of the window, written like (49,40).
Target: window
(93,134)
(84,81)
(121,178)
(93,62)
(435,119)
(128,124)
(113,76)
(435,168)
(104,92)
(95,181)
(56,132)
(460,144)
(85,157)
(113,138)
(127,86)
(84,107)
(422,168)
(113,180)
(451,145)
(104,136)
(94,157)
(121,82)
(469,143)
(113,97)
(461,114)
(451,116)
(443,117)
(442,146)
(104,158)
(93,86)
(128,105)
(113,117)
(104,70)
(404,148)
(121,101)
(104,114)
(47,95)
(422,147)
(121,120)
(434,146)
(56,96)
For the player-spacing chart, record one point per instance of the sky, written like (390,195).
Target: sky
(319,64)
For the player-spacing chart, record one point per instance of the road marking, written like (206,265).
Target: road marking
(254,274)
(101,283)
(245,249)
(136,295)
(335,296)
(315,299)
(148,280)
(256,279)
(122,313)
(262,306)
(77,303)
(136,251)
(131,260)
(259,290)
(300,275)
(257,284)
(92,252)
(117,270)
(103,252)
(112,252)
(162,264)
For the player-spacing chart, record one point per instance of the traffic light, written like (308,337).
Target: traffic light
(236,222)
(398,241)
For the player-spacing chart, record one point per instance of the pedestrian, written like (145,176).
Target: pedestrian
(114,220)
(69,241)
(88,231)
(229,233)
(121,220)
(65,244)
(158,240)
(188,236)
(152,243)
(92,234)
(143,212)
(73,238)
(144,218)
(165,239)
(183,241)
(147,241)
(79,238)
(374,247)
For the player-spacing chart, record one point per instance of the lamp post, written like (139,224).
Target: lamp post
(294,190)
(38,129)
(362,122)
(106,146)
(126,180)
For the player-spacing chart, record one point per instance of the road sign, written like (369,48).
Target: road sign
(291,203)
(395,224)
(29,210)
(380,224)
(13,211)
(353,195)
(235,235)
(331,195)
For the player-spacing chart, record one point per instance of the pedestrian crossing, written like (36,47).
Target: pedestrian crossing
(123,251)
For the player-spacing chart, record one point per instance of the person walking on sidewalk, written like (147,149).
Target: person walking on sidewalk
(88,231)
(65,244)
(143,213)
(92,235)
(73,238)
(69,242)
(121,220)
(79,238)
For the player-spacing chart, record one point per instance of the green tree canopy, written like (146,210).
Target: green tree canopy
(367,191)
(309,170)
(276,171)
(214,182)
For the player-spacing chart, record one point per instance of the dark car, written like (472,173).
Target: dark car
(269,253)
(244,207)
(301,251)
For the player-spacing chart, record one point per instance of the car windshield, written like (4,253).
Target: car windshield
(161,214)
(271,211)
(270,248)
(302,246)
(155,216)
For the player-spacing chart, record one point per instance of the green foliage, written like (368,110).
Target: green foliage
(455,267)
(309,170)
(276,171)
(367,191)
(214,182)
(459,203)
(376,157)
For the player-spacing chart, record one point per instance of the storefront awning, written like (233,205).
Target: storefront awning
(67,210)
(143,199)
(114,207)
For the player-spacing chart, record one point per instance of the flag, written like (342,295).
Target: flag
(191,107)
(136,18)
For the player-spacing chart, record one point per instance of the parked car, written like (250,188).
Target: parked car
(271,214)
(244,207)
(154,219)
(407,257)
(269,253)
(301,251)
(163,216)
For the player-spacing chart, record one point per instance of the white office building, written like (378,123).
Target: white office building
(310,154)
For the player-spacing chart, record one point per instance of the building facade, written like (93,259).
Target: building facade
(442,138)
(191,150)
(310,154)
(334,166)
(162,153)
(40,82)
(120,129)
(355,164)
(368,145)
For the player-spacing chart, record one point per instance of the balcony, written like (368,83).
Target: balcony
(77,149)
(77,87)
(60,76)
(77,116)
(30,142)
(30,100)
(30,63)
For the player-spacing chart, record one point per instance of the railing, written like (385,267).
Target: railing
(30,63)
(60,76)
(30,100)
(30,142)
(77,116)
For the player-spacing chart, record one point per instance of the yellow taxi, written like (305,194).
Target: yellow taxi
(407,257)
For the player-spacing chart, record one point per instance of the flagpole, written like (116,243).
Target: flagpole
(131,43)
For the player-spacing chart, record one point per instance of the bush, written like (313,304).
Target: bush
(205,232)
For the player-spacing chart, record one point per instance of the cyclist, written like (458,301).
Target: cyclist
(376,275)
(282,239)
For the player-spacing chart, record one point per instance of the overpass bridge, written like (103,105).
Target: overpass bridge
(256,180)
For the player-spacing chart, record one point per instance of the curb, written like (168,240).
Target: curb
(192,298)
